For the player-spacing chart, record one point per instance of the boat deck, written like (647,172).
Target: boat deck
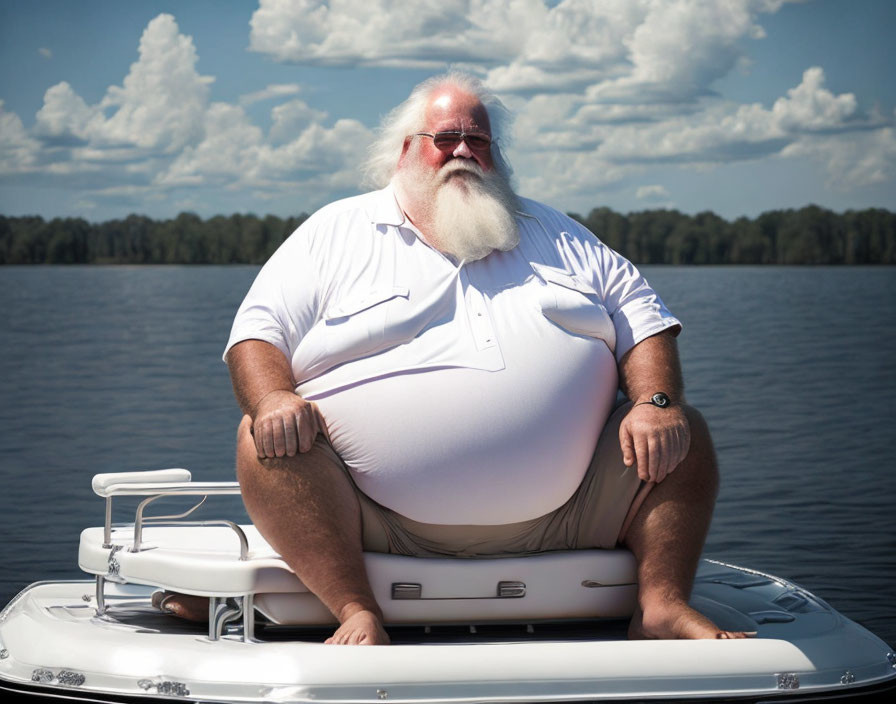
(54,642)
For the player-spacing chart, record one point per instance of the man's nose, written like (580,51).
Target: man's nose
(463,150)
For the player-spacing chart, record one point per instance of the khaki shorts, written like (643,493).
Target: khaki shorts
(591,518)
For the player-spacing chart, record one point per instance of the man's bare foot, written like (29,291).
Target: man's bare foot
(677,620)
(361,628)
(185,606)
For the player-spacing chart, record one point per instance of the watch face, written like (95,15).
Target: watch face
(660,399)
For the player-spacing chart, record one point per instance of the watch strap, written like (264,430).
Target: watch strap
(660,399)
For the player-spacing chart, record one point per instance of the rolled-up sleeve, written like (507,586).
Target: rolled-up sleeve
(636,309)
(280,306)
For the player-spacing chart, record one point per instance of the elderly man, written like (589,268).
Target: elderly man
(432,369)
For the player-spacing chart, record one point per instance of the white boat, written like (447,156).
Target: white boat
(544,628)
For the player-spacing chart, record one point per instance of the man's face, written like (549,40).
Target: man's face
(451,110)
(465,205)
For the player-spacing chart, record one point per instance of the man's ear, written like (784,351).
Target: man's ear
(404,150)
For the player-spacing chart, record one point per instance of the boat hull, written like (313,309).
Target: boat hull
(54,644)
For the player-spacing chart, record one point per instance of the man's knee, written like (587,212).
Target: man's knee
(245,441)
(320,457)
(701,457)
(246,454)
(244,430)
(248,463)
(699,428)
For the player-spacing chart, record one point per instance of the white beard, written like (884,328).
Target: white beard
(466,215)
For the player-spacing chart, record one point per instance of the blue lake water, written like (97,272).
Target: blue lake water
(115,368)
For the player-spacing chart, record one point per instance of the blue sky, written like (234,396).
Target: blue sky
(736,106)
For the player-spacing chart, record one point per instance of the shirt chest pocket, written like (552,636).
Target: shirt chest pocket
(573,304)
(356,325)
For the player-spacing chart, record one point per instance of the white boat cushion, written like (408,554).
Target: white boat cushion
(102,482)
(205,560)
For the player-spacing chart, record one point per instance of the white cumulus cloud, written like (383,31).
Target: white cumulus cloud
(18,151)
(163,98)
(276,90)
(291,119)
(224,155)
(810,106)
(652,193)
(300,150)
(851,160)
(65,115)
(157,136)
(159,108)
(603,90)
(667,50)
(578,143)
(387,32)
(678,48)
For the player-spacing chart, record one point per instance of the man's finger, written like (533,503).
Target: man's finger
(258,437)
(685,439)
(625,442)
(267,438)
(657,459)
(671,448)
(307,429)
(291,436)
(655,452)
(320,423)
(642,458)
(279,439)
(676,453)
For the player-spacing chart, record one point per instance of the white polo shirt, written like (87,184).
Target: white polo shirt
(470,393)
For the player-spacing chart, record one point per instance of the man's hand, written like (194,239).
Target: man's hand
(284,423)
(654,439)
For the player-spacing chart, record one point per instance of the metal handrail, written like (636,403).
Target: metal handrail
(139,520)
(178,489)
(244,541)
(175,516)
(157,491)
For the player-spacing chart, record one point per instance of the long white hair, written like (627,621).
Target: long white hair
(408,118)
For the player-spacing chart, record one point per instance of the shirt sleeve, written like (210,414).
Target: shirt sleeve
(636,309)
(281,305)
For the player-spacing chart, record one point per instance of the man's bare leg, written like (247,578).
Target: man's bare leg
(307,510)
(666,535)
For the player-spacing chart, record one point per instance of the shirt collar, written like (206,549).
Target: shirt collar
(386,210)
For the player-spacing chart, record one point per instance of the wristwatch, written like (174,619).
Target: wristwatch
(659,399)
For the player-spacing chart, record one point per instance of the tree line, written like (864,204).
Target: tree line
(809,235)
(137,239)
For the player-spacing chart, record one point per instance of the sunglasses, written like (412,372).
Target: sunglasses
(448,141)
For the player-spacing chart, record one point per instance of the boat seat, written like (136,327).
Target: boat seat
(209,559)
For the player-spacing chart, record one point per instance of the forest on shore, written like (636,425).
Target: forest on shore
(810,235)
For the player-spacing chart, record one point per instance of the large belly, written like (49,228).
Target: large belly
(467,446)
